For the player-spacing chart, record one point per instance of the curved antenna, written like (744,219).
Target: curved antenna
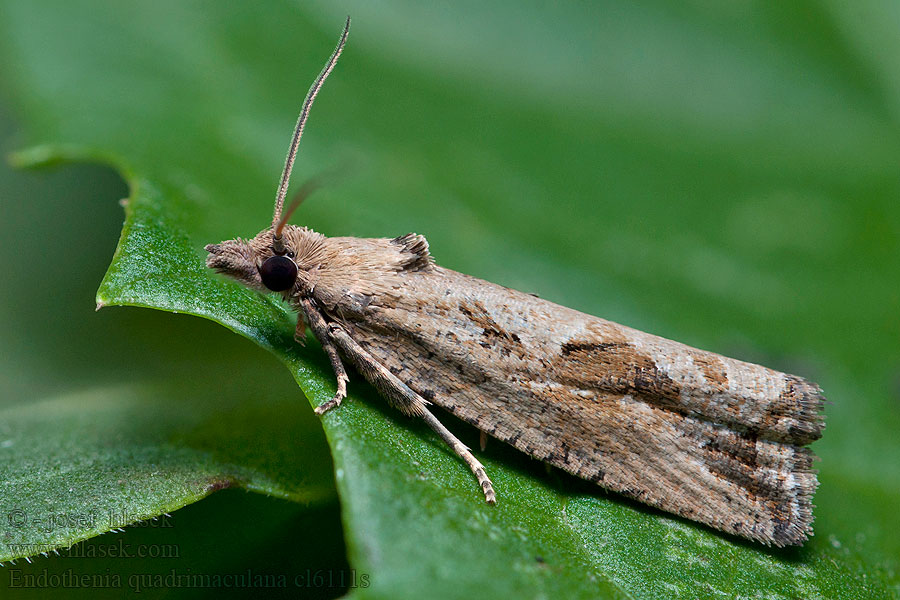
(298,130)
(305,190)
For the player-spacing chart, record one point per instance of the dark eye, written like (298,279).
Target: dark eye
(278,273)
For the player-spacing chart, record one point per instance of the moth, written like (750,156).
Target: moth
(709,438)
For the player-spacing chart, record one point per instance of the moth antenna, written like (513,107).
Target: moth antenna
(308,188)
(298,131)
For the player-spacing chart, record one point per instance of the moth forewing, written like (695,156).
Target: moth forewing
(703,436)
(709,438)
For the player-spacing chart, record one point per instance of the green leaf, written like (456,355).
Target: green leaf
(724,176)
(101,459)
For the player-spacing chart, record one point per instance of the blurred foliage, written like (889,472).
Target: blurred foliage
(724,175)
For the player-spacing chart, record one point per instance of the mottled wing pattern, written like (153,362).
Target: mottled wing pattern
(706,437)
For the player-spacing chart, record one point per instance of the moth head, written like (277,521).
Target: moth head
(266,262)
(260,263)
(279,272)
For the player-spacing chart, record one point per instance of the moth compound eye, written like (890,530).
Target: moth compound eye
(278,273)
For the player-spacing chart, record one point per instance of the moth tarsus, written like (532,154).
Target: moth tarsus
(320,330)
(709,438)
(396,391)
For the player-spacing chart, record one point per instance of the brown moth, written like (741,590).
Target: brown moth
(706,437)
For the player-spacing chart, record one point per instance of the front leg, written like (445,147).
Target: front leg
(320,330)
(408,401)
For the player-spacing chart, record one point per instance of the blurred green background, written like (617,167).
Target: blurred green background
(722,174)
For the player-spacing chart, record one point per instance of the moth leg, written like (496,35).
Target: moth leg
(320,329)
(407,401)
(464,453)
(300,331)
